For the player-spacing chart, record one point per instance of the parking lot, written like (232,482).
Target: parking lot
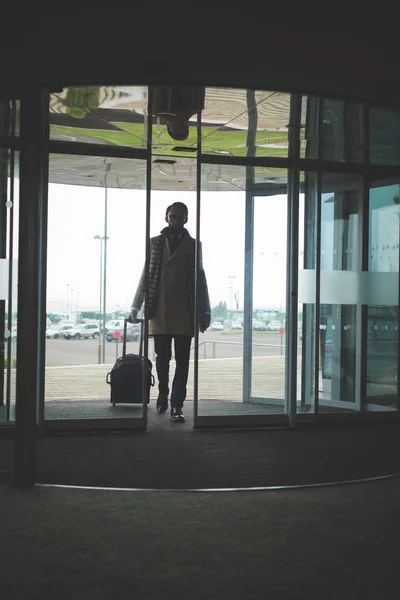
(63,352)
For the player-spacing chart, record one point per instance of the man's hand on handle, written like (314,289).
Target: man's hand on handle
(133,316)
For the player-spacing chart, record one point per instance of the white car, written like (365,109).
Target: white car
(236,326)
(57,331)
(79,332)
(274,326)
(114,324)
(217,326)
(259,326)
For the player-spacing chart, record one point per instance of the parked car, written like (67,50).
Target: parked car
(132,333)
(217,326)
(274,326)
(83,332)
(236,326)
(13,334)
(57,331)
(114,324)
(259,326)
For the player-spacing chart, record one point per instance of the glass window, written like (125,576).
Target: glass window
(111,115)
(382,311)
(384,136)
(332,130)
(91,220)
(221,347)
(269,293)
(242,356)
(341,132)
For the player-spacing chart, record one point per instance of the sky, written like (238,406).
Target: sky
(76,215)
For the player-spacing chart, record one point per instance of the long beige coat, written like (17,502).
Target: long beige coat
(173,315)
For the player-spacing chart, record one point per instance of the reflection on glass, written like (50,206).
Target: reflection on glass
(174,174)
(382,321)
(338,293)
(97,171)
(175,109)
(333,130)
(239,122)
(96,238)
(269,180)
(341,134)
(110,115)
(384,136)
(308,205)
(337,354)
(382,355)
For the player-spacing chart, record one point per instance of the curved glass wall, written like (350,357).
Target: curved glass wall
(296,202)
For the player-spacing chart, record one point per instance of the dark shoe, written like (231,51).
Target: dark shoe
(162,404)
(177,415)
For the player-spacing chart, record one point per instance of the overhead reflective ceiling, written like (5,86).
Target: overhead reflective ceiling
(117,116)
(176,174)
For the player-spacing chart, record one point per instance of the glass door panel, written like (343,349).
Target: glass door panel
(268,367)
(222,227)
(381,317)
(241,369)
(340,265)
(96,211)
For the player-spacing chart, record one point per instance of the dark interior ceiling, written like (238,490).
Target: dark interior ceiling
(343,48)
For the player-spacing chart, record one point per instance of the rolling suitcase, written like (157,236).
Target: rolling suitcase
(126,376)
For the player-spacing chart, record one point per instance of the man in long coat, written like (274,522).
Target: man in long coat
(171,304)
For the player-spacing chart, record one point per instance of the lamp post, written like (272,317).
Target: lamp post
(105,238)
(231,278)
(99,237)
(67,300)
(71,303)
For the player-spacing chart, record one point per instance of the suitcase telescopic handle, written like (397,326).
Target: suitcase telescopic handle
(126,321)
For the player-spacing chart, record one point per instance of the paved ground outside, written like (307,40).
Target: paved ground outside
(73,372)
(211,345)
(218,379)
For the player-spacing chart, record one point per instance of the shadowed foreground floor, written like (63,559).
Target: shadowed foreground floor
(333,542)
(171,456)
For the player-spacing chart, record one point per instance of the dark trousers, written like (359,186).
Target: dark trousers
(162,345)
